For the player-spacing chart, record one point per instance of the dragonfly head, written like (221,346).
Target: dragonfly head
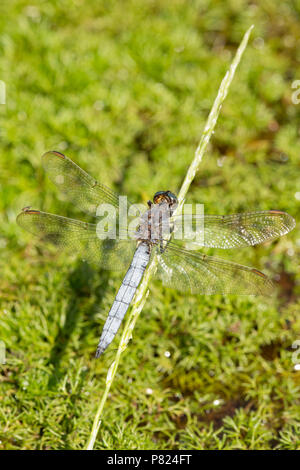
(165,196)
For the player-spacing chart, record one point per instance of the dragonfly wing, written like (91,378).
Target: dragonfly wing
(200,274)
(78,186)
(232,231)
(80,238)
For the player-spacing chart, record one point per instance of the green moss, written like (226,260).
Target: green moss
(126,96)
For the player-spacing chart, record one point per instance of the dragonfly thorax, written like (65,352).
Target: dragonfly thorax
(155,224)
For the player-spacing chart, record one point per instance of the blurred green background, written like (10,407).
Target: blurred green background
(124,89)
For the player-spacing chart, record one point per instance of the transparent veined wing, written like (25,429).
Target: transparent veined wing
(78,186)
(196,273)
(232,231)
(80,238)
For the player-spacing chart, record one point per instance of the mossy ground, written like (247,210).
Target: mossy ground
(124,89)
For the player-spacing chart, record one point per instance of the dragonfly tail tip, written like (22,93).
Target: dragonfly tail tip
(99,352)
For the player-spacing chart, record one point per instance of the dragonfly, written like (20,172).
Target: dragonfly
(132,249)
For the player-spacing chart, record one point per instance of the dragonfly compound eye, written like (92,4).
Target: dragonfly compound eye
(167,196)
(172,198)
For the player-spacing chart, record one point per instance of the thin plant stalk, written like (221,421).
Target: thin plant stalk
(142,291)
